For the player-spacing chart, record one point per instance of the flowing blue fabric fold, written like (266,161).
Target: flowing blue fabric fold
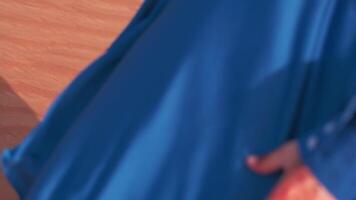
(190,88)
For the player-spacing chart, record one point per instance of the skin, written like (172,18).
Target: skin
(297,182)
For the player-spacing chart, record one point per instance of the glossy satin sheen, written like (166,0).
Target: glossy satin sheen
(189,89)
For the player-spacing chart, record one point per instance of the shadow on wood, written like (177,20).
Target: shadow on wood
(16,121)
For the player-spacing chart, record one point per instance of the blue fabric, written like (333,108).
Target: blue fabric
(190,88)
(329,151)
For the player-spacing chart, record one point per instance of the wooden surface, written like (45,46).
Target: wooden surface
(43,45)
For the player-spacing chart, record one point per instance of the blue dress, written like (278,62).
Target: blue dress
(190,88)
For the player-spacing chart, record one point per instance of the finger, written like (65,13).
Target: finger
(267,164)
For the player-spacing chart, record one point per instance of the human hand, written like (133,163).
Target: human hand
(297,182)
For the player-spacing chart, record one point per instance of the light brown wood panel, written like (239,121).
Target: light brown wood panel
(43,45)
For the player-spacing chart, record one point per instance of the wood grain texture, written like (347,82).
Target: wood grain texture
(43,46)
